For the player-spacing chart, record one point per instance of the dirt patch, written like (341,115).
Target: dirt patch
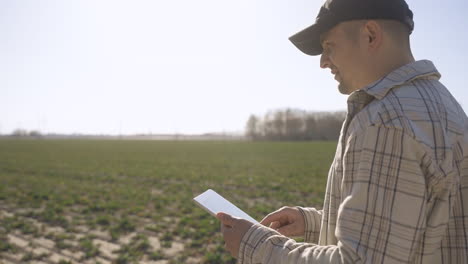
(107,248)
(19,242)
(175,248)
(127,238)
(82,244)
(154,242)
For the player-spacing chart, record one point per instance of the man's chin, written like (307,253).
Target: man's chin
(343,89)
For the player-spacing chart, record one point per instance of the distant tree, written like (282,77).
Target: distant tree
(310,124)
(19,132)
(330,125)
(35,133)
(295,124)
(269,128)
(253,128)
(279,125)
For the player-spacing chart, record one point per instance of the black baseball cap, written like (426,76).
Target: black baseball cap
(334,12)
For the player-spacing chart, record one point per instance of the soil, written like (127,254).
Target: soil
(42,249)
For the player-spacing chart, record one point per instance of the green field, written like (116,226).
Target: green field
(86,201)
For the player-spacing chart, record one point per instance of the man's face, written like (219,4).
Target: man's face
(343,56)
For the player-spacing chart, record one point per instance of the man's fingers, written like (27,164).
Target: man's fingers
(226,219)
(270,218)
(275,225)
(229,232)
(287,230)
(222,227)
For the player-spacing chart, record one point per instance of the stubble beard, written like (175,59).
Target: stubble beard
(342,88)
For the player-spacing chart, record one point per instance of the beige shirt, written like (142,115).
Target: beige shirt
(397,190)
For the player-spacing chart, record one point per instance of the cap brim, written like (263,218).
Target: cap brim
(308,40)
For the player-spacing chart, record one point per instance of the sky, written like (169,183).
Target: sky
(182,66)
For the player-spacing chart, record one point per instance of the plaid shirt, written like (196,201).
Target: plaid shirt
(397,190)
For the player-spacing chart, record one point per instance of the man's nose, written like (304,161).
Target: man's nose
(324,61)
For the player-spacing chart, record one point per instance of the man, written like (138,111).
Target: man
(397,190)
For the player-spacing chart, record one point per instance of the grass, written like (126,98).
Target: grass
(16,223)
(87,245)
(133,251)
(127,186)
(4,245)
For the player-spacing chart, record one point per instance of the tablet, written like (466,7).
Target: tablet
(214,203)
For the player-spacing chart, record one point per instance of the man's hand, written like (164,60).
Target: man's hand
(288,221)
(233,230)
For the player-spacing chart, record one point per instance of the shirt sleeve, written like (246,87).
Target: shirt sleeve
(313,221)
(381,217)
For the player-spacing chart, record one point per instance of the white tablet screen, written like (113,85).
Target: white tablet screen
(215,203)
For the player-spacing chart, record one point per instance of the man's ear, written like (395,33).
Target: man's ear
(373,34)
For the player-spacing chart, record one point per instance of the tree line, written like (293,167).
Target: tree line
(295,124)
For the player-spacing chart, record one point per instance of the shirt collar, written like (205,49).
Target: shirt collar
(377,90)
(402,75)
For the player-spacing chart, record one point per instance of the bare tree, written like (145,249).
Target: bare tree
(35,133)
(295,124)
(253,127)
(19,132)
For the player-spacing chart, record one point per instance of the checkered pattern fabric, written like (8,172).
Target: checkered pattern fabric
(397,190)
